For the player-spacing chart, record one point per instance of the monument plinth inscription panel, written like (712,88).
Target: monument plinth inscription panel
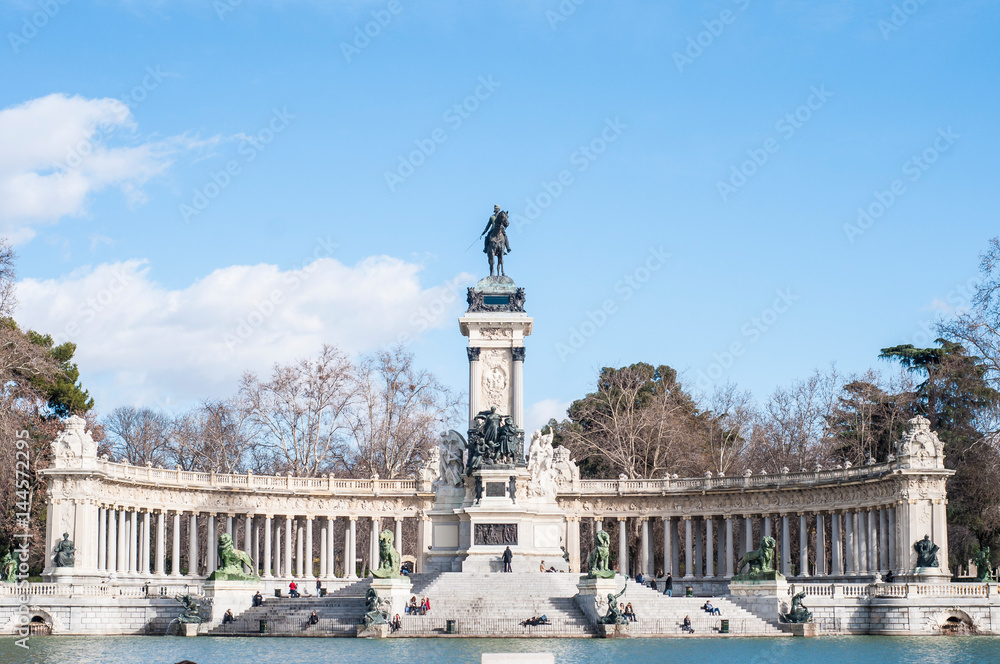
(496,534)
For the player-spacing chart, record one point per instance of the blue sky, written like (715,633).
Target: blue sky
(199,189)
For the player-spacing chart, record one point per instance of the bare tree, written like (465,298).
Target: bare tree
(139,436)
(218,436)
(729,428)
(398,410)
(302,412)
(8,276)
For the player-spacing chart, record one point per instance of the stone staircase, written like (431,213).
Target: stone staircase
(494,604)
(339,612)
(659,615)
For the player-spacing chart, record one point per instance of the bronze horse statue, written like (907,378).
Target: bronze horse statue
(497,243)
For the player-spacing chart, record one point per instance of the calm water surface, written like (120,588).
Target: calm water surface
(206,650)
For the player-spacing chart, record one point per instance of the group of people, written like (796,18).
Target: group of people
(422,608)
(534,621)
(627,611)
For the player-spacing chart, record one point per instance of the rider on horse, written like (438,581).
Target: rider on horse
(496,243)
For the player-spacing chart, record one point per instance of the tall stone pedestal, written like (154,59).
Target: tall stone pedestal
(395,592)
(236,596)
(592,598)
(925,575)
(765,599)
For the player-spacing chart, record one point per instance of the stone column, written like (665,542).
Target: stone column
(112,539)
(279,571)
(133,541)
(144,549)
(623,545)
(668,524)
(211,546)
(289,542)
(517,391)
(423,537)
(698,550)
(675,552)
(883,541)
(873,565)
(229,527)
(709,544)
(331,547)
(161,545)
(862,542)
(786,554)
(267,546)
(300,560)
(475,368)
(767,526)
(851,545)
(122,540)
(324,565)
(837,552)
(890,514)
(644,552)
(373,543)
(352,559)
(598,523)
(803,545)
(688,552)
(102,538)
(939,525)
(248,541)
(729,547)
(747,533)
(820,545)
(397,536)
(193,545)
(175,551)
(256,557)
(310,570)
(573,543)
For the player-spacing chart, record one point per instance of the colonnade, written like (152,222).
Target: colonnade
(280,546)
(840,542)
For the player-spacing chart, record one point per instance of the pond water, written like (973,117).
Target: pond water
(220,650)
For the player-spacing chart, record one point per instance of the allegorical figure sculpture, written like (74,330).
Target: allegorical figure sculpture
(600,557)
(374,613)
(231,560)
(926,552)
(388,557)
(759,561)
(8,568)
(65,555)
(799,613)
(614,615)
(452,450)
(984,568)
(496,244)
(191,613)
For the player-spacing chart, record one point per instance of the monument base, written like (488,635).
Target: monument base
(371,632)
(592,597)
(924,575)
(395,592)
(236,596)
(764,598)
(613,631)
(188,629)
(800,629)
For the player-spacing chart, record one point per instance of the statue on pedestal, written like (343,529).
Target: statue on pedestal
(231,561)
(984,569)
(388,557)
(375,613)
(614,615)
(8,568)
(926,552)
(600,557)
(799,613)
(192,612)
(759,562)
(65,555)
(496,244)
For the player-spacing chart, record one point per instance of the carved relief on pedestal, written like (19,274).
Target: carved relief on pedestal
(496,379)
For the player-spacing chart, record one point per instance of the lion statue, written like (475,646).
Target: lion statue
(760,560)
(600,557)
(231,560)
(388,557)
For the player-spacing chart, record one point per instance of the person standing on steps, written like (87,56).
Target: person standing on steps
(668,585)
(507,557)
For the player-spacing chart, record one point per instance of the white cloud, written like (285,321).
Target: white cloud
(540,412)
(55,152)
(139,342)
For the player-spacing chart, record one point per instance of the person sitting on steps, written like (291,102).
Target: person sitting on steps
(313,618)
(629,612)
(708,608)
(228,618)
(412,606)
(686,625)
(396,623)
(258,599)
